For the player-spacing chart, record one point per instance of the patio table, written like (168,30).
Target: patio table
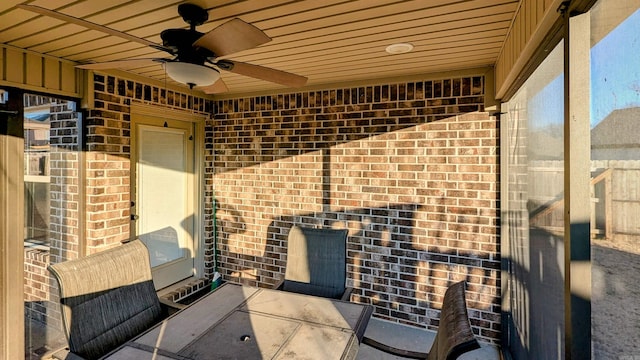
(244,322)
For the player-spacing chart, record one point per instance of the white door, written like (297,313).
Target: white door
(164,191)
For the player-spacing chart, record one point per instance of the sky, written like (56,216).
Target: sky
(547,106)
(615,70)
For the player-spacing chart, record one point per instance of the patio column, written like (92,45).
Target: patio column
(11,227)
(577,187)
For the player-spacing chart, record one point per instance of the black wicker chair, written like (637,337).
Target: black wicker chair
(316,263)
(106,299)
(454,336)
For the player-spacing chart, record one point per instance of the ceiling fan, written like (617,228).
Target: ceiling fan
(194,60)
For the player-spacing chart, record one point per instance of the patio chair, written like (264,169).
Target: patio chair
(316,263)
(454,336)
(106,299)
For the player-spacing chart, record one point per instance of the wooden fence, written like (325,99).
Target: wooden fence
(615,197)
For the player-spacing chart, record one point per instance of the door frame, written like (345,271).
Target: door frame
(198,121)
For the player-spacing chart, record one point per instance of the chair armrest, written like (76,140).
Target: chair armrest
(346,296)
(393,350)
(62,353)
(278,285)
(169,307)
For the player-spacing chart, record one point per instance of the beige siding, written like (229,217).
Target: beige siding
(11,232)
(34,72)
(531,24)
(51,74)
(33,65)
(14,67)
(69,78)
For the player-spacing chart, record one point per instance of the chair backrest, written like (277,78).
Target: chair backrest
(106,298)
(316,261)
(454,336)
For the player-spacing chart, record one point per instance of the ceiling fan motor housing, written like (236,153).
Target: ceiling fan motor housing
(181,42)
(193,14)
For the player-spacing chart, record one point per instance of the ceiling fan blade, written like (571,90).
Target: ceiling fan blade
(92,26)
(118,64)
(231,37)
(268,74)
(215,88)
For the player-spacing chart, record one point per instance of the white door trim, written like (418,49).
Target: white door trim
(198,121)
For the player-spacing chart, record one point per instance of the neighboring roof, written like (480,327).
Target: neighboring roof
(37,116)
(620,129)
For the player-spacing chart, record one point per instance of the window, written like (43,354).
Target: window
(532,213)
(615,179)
(51,175)
(532,208)
(37,126)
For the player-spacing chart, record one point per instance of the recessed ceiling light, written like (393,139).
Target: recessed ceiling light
(399,48)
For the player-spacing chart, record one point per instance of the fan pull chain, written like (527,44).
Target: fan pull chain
(166,92)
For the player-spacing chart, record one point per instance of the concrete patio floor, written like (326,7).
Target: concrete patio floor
(407,337)
(40,338)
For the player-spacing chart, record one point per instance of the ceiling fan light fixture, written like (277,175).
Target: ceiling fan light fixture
(188,63)
(191,74)
(399,48)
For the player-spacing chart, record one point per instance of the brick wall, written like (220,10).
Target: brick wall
(64,218)
(108,196)
(40,305)
(108,153)
(107,192)
(40,290)
(411,169)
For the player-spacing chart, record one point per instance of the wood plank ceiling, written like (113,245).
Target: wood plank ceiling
(328,41)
